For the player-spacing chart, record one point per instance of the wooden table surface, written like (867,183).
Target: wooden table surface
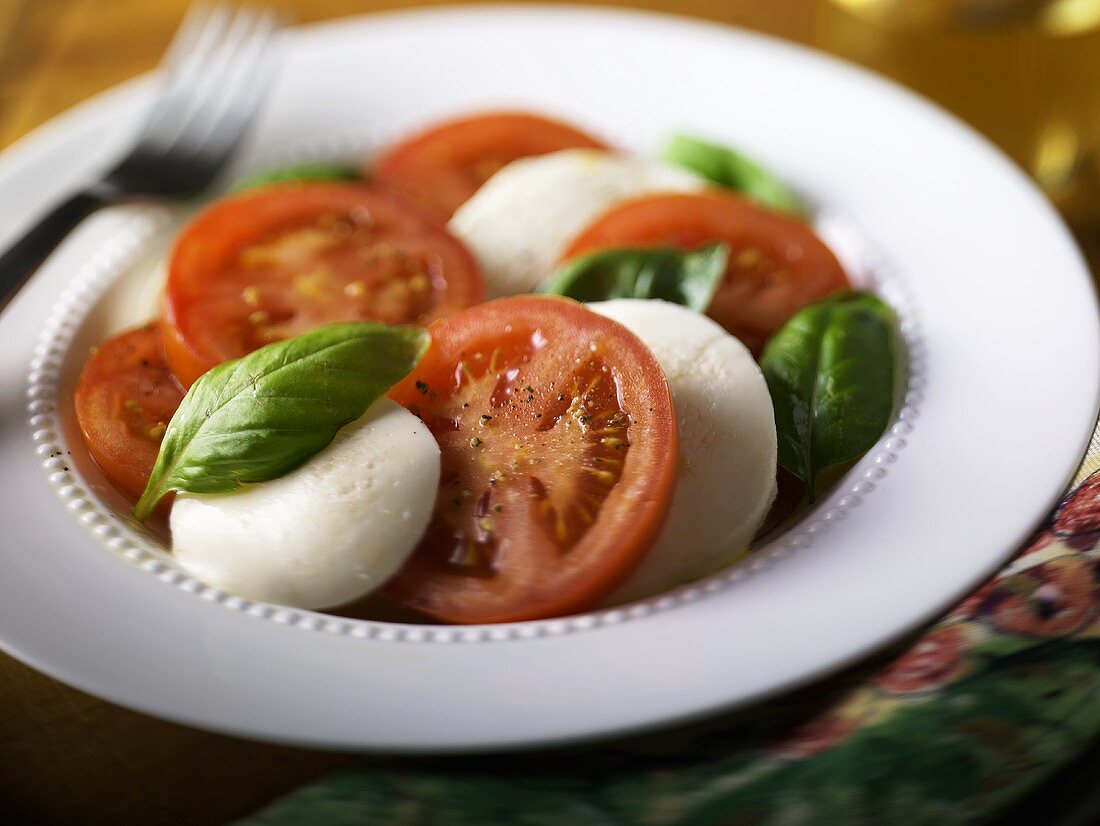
(66,757)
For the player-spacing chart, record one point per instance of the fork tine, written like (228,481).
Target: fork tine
(230,129)
(199,35)
(210,85)
(188,34)
(214,78)
(220,124)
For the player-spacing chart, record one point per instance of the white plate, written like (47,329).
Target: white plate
(999,312)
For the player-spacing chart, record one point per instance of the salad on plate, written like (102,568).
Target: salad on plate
(503,372)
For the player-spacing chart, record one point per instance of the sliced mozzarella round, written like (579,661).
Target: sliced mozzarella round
(727,444)
(520,220)
(327,533)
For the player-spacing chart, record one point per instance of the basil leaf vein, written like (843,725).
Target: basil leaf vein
(730,169)
(687,277)
(263,415)
(831,374)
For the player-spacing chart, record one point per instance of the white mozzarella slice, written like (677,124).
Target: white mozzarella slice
(327,533)
(520,221)
(727,444)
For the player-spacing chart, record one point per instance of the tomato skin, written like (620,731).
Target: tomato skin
(777,263)
(276,261)
(186,361)
(444,165)
(124,399)
(556,426)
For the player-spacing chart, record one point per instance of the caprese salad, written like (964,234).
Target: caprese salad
(505,372)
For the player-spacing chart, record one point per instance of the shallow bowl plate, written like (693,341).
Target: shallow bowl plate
(999,318)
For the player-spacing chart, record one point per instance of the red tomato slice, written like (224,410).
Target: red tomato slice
(124,399)
(777,264)
(560,455)
(274,262)
(445,165)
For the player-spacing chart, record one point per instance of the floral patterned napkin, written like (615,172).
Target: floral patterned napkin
(951,727)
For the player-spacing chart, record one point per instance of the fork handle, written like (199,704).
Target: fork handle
(26,255)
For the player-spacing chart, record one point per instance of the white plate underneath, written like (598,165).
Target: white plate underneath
(998,310)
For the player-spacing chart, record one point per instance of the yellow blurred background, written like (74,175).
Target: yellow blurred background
(1025,72)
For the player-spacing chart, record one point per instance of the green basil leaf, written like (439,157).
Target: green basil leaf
(725,167)
(831,373)
(297,173)
(261,416)
(687,277)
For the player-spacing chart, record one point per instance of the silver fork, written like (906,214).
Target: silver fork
(214,76)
